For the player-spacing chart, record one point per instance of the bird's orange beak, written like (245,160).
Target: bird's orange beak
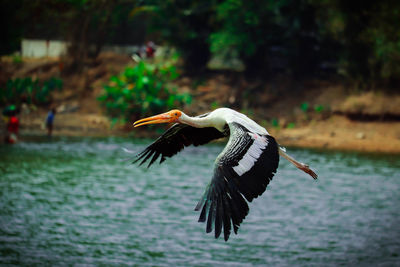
(167,117)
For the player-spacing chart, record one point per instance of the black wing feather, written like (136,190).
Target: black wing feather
(175,139)
(218,215)
(227,215)
(225,197)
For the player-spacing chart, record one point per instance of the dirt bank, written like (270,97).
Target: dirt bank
(341,133)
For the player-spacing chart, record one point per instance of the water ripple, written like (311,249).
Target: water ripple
(76,202)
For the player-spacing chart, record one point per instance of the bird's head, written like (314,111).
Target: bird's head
(167,117)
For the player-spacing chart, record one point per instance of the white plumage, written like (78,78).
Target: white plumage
(252,155)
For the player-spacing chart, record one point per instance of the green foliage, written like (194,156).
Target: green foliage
(291,125)
(214,105)
(141,91)
(30,91)
(319,108)
(17,59)
(275,122)
(304,107)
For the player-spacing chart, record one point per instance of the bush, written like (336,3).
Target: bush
(142,90)
(29,91)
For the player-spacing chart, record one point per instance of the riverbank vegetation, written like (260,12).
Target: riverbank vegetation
(142,90)
(29,91)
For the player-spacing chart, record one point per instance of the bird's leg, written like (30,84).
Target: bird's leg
(304,167)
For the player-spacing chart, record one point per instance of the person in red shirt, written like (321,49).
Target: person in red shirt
(12,127)
(150,49)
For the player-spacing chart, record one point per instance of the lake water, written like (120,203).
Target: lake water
(75,201)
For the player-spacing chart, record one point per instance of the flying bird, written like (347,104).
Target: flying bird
(241,172)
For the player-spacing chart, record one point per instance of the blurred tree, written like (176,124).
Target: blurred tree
(368,34)
(87,22)
(187,26)
(269,35)
(11,26)
(359,40)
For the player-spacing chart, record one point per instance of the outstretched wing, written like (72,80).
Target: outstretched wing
(175,139)
(242,171)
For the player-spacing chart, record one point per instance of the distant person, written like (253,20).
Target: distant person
(12,129)
(50,121)
(150,49)
(144,51)
(12,124)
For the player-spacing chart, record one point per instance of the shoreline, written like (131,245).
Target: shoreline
(337,133)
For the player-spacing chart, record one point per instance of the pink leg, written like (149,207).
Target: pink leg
(304,167)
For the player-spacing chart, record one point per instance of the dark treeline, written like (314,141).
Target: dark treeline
(358,41)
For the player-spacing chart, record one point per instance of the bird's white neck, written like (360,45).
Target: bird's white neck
(195,121)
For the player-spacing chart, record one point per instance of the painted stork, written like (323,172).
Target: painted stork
(242,170)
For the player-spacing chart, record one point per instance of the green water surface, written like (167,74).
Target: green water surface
(77,202)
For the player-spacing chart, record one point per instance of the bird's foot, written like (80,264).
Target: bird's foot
(305,168)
